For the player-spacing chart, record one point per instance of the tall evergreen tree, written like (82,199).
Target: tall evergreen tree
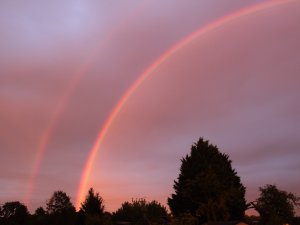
(93,203)
(208,187)
(93,209)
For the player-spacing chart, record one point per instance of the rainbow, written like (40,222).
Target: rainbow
(159,61)
(52,124)
(62,103)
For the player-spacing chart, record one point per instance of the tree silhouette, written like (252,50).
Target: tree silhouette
(93,203)
(14,213)
(92,208)
(60,202)
(39,217)
(60,209)
(276,207)
(140,212)
(208,187)
(40,211)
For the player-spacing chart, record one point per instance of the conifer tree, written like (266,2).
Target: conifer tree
(93,203)
(208,187)
(93,209)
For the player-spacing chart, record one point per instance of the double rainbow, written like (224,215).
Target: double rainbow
(82,189)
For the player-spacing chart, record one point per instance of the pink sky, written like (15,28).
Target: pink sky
(236,85)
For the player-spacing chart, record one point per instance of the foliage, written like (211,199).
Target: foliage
(80,218)
(60,202)
(140,212)
(296,220)
(39,217)
(93,203)
(251,219)
(207,186)
(107,219)
(14,213)
(185,219)
(93,209)
(60,209)
(40,212)
(276,207)
(93,219)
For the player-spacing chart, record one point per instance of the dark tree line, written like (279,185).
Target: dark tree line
(207,191)
(140,212)
(60,211)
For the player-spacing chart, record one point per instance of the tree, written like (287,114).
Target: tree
(186,219)
(208,187)
(14,213)
(60,209)
(60,202)
(1,218)
(140,212)
(93,203)
(40,212)
(93,208)
(276,207)
(39,217)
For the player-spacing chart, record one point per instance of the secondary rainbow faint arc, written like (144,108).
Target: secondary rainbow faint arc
(61,105)
(161,59)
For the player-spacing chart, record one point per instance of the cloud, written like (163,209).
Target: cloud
(236,86)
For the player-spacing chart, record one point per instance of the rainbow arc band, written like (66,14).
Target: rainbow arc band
(82,189)
(65,98)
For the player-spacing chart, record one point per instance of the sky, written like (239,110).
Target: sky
(137,83)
